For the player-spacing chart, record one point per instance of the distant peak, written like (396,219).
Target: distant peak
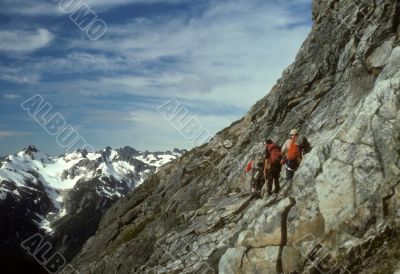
(30,149)
(128,149)
(180,151)
(83,152)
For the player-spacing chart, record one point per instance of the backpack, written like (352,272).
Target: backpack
(258,166)
(294,151)
(305,145)
(275,154)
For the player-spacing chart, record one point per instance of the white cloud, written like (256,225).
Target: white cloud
(51,8)
(11,96)
(29,8)
(233,53)
(109,4)
(18,76)
(19,41)
(32,69)
(5,134)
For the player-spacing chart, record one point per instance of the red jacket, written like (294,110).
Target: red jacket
(249,166)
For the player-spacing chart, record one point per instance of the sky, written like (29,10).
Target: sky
(106,67)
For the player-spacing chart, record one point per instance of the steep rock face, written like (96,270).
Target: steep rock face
(339,215)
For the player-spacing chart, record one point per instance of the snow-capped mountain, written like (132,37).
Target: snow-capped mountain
(126,166)
(65,196)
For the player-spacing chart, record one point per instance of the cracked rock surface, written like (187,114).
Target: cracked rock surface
(341,212)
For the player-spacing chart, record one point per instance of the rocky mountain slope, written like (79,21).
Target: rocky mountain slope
(341,212)
(64,197)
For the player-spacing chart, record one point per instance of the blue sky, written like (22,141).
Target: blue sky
(217,58)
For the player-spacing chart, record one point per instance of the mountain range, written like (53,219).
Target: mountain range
(64,197)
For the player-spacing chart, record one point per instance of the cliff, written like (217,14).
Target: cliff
(339,215)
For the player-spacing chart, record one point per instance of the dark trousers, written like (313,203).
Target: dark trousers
(291,167)
(289,174)
(257,180)
(273,179)
(257,184)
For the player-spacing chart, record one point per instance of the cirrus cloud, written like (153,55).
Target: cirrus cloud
(11,96)
(5,134)
(24,41)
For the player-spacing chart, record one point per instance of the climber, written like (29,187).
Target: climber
(293,151)
(256,169)
(272,167)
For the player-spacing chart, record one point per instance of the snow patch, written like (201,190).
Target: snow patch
(44,224)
